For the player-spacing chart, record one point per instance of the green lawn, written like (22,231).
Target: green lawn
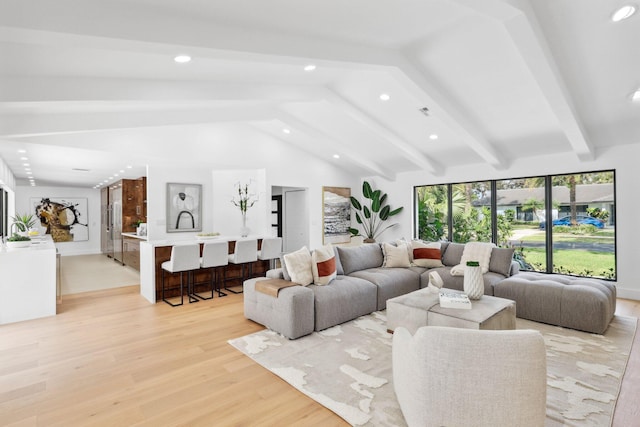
(580,262)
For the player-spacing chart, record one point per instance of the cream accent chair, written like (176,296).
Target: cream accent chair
(464,377)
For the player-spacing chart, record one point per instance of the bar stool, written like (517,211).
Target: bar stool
(270,250)
(245,254)
(214,255)
(183,258)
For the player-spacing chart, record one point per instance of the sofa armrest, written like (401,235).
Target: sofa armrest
(515,268)
(275,273)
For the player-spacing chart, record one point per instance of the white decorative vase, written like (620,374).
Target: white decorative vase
(473,281)
(244,231)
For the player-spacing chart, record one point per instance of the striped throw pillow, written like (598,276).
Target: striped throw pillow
(426,254)
(323,264)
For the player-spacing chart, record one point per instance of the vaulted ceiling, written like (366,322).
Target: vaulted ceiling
(88,87)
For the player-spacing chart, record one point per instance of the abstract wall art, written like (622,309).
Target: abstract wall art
(336,214)
(184,207)
(65,219)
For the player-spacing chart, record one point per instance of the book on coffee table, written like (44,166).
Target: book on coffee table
(454,300)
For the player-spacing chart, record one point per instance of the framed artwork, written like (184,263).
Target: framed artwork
(336,214)
(184,207)
(65,219)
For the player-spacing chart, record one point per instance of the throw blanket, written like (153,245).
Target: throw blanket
(474,251)
(272,286)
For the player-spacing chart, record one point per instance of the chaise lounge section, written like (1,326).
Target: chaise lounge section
(572,302)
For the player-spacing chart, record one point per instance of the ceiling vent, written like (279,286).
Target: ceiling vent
(425,111)
(80,170)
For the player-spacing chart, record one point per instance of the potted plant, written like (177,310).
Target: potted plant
(18,241)
(24,222)
(373,216)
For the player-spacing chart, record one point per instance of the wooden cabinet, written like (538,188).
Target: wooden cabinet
(134,203)
(131,252)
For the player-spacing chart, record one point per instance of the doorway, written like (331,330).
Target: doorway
(295,217)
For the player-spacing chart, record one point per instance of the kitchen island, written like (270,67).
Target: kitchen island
(154,252)
(28,281)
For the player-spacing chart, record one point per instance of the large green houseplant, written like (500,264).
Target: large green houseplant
(372,216)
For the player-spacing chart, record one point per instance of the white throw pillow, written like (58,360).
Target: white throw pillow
(299,266)
(323,264)
(395,256)
(426,254)
(474,251)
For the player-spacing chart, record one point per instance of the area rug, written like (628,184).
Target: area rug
(347,368)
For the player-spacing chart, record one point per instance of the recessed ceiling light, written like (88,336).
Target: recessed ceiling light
(182,59)
(121,170)
(385,97)
(623,13)
(433,137)
(22,151)
(287,131)
(24,158)
(336,156)
(26,164)
(636,96)
(310,67)
(110,177)
(129,166)
(29,172)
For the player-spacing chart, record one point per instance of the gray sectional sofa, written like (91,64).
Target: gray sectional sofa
(362,286)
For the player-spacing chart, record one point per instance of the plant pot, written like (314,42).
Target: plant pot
(244,231)
(368,240)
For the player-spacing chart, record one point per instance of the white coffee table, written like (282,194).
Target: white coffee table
(422,308)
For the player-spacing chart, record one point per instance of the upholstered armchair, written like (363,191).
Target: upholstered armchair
(463,377)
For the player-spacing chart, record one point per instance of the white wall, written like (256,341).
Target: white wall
(24,194)
(227,218)
(622,158)
(279,167)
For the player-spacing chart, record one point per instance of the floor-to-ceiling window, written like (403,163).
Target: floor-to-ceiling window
(516,213)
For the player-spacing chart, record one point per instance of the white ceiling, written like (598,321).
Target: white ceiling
(91,84)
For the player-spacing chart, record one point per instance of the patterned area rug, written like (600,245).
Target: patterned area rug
(347,368)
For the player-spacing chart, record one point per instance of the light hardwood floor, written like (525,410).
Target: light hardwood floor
(109,358)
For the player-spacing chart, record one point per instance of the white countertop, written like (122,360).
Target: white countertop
(38,243)
(134,236)
(199,239)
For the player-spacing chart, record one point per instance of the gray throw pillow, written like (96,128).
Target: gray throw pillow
(339,270)
(453,254)
(501,260)
(356,258)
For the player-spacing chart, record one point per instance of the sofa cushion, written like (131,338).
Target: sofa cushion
(501,260)
(453,254)
(426,254)
(395,256)
(299,266)
(360,257)
(344,299)
(323,265)
(390,282)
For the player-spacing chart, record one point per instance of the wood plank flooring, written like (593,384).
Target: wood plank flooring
(109,358)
